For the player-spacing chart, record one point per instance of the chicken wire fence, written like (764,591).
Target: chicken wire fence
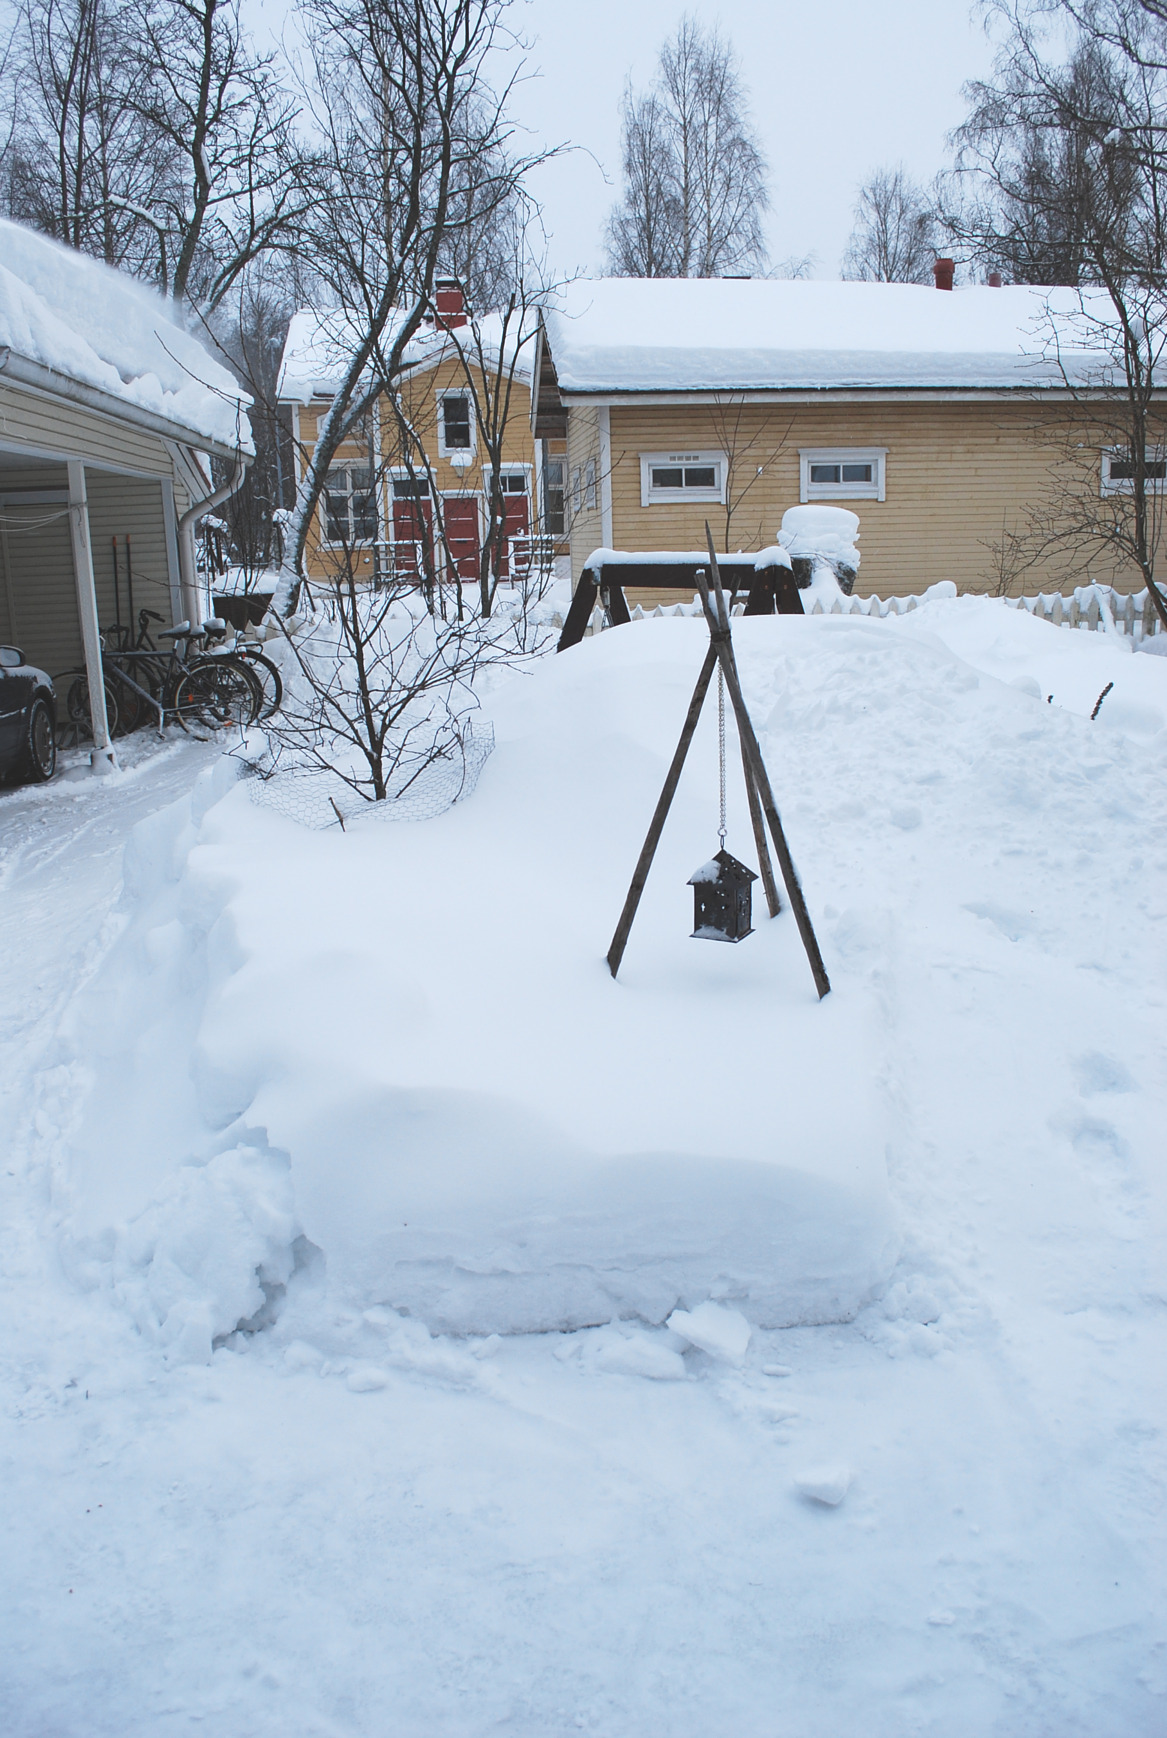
(318,797)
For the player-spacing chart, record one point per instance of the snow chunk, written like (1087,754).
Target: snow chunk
(825,1484)
(639,1354)
(367,1379)
(723,1333)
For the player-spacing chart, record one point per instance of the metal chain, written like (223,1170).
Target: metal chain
(721,747)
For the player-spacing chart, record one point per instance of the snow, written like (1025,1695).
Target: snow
(102,328)
(827,1485)
(348,1520)
(321,341)
(657,335)
(724,1334)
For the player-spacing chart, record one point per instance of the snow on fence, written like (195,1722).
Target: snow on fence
(1089,606)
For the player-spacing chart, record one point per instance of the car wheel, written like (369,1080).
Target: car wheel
(40,742)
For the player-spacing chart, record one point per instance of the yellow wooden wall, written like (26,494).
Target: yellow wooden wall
(957,474)
(420,398)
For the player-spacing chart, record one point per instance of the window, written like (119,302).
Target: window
(350,505)
(513,482)
(553,502)
(1118,471)
(842,473)
(590,484)
(681,477)
(576,491)
(457,431)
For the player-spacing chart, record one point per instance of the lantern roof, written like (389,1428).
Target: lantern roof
(722,864)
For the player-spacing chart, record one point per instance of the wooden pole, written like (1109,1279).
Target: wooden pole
(656,827)
(719,633)
(760,845)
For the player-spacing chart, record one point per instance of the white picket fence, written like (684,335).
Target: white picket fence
(1088,607)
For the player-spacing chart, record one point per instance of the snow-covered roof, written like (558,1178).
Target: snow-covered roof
(319,344)
(615,335)
(100,328)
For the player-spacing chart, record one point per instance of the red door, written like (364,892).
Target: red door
(413,531)
(462,534)
(516,510)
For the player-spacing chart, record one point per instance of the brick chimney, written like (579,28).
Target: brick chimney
(994,280)
(942,271)
(450,305)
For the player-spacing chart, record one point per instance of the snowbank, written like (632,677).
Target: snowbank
(102,328)
(401,1047)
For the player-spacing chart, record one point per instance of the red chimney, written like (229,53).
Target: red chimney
(943,270)
(994,280)
(450,304)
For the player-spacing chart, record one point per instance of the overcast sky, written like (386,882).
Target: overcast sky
(837,88)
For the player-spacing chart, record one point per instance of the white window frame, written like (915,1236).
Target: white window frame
(1126,485)
(348,466)
(576,491)
(591,500)
(509,471)
(456,455)
(650,497)
(876,457)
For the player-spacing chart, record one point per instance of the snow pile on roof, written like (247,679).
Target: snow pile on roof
(102,328)
(320,343)
(676,334)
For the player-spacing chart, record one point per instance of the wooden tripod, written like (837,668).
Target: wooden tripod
(758,791)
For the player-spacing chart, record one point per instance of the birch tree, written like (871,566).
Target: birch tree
(894,237)
(694,174)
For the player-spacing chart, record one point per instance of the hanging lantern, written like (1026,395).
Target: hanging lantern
(722,899)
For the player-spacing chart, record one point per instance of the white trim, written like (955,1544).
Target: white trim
(457,456)
(604,422)
(103,754)
(650,497)
(1126,485)
(876,457)
(170,525)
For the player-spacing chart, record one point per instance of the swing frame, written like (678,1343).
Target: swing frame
(763,809)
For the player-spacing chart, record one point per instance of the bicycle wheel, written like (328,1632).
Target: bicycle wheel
(77,707)
(215,693)
(269,679)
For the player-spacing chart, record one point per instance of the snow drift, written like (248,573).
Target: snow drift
(400,1047)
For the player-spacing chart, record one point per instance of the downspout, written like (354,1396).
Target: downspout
(187,567)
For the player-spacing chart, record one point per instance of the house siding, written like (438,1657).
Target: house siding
(420,397)
(957,475)
(584,447)
(38,593)
(29,422)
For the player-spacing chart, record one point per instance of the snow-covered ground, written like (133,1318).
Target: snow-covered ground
(944,1515)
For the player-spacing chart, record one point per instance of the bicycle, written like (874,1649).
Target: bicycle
(265,672)
(212,690)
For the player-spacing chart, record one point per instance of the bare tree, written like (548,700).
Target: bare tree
(218,112)
(77,161)
(409,123)
(894,237)
(148,133)
(1061,172)
(751,445)
(694,174)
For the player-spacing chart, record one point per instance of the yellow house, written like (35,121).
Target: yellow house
(445,474)
(938,416)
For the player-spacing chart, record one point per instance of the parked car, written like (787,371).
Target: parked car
(28,719)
